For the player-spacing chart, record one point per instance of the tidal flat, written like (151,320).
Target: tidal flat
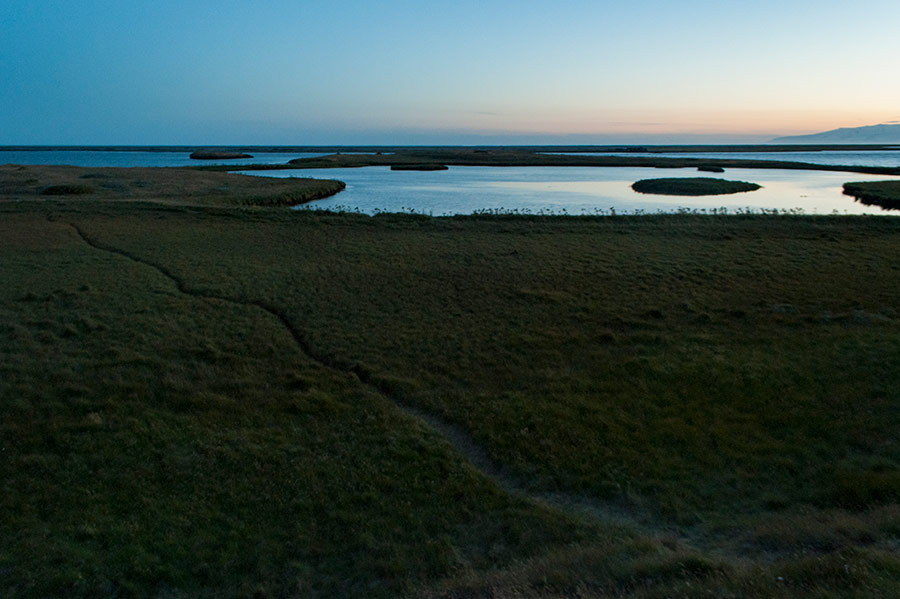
(205,396)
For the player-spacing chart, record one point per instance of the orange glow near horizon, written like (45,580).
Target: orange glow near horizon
(663,122)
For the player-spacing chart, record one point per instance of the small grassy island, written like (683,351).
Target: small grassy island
(885,194)
(210,155)
(692,186)
(419,167)
(205,394)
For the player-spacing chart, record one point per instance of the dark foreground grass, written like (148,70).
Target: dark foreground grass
(158,444)
(723,390)
(692,186)
(638,344)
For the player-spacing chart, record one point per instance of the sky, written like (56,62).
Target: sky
(392,72)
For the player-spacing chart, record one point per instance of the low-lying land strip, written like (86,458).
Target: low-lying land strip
(220,399)
(168,185)
(217,155)
(515,157)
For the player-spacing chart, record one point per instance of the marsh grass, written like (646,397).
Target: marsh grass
(157,443)
(166,185)
(876,193)
(727,383)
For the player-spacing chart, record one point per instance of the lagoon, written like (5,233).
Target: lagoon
(574,190)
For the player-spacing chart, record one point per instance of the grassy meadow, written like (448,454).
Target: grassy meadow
(207,397)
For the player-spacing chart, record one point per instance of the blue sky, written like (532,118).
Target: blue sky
(397,71)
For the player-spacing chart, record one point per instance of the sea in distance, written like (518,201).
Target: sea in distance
(133,158)
(558,190)
(889,158)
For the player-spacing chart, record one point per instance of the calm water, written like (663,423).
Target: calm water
(862,158)
(126,159)
(573,190)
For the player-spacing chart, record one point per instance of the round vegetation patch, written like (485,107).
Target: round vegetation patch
(692,186)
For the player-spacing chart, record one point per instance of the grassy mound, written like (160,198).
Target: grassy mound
(692,186)
(876,193)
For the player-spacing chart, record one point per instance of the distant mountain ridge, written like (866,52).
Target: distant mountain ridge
(888,133)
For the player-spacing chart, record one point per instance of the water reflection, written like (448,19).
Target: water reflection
(575,190)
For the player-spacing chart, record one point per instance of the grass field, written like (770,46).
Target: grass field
(205,398)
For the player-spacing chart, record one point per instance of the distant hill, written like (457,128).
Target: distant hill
(872,134)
